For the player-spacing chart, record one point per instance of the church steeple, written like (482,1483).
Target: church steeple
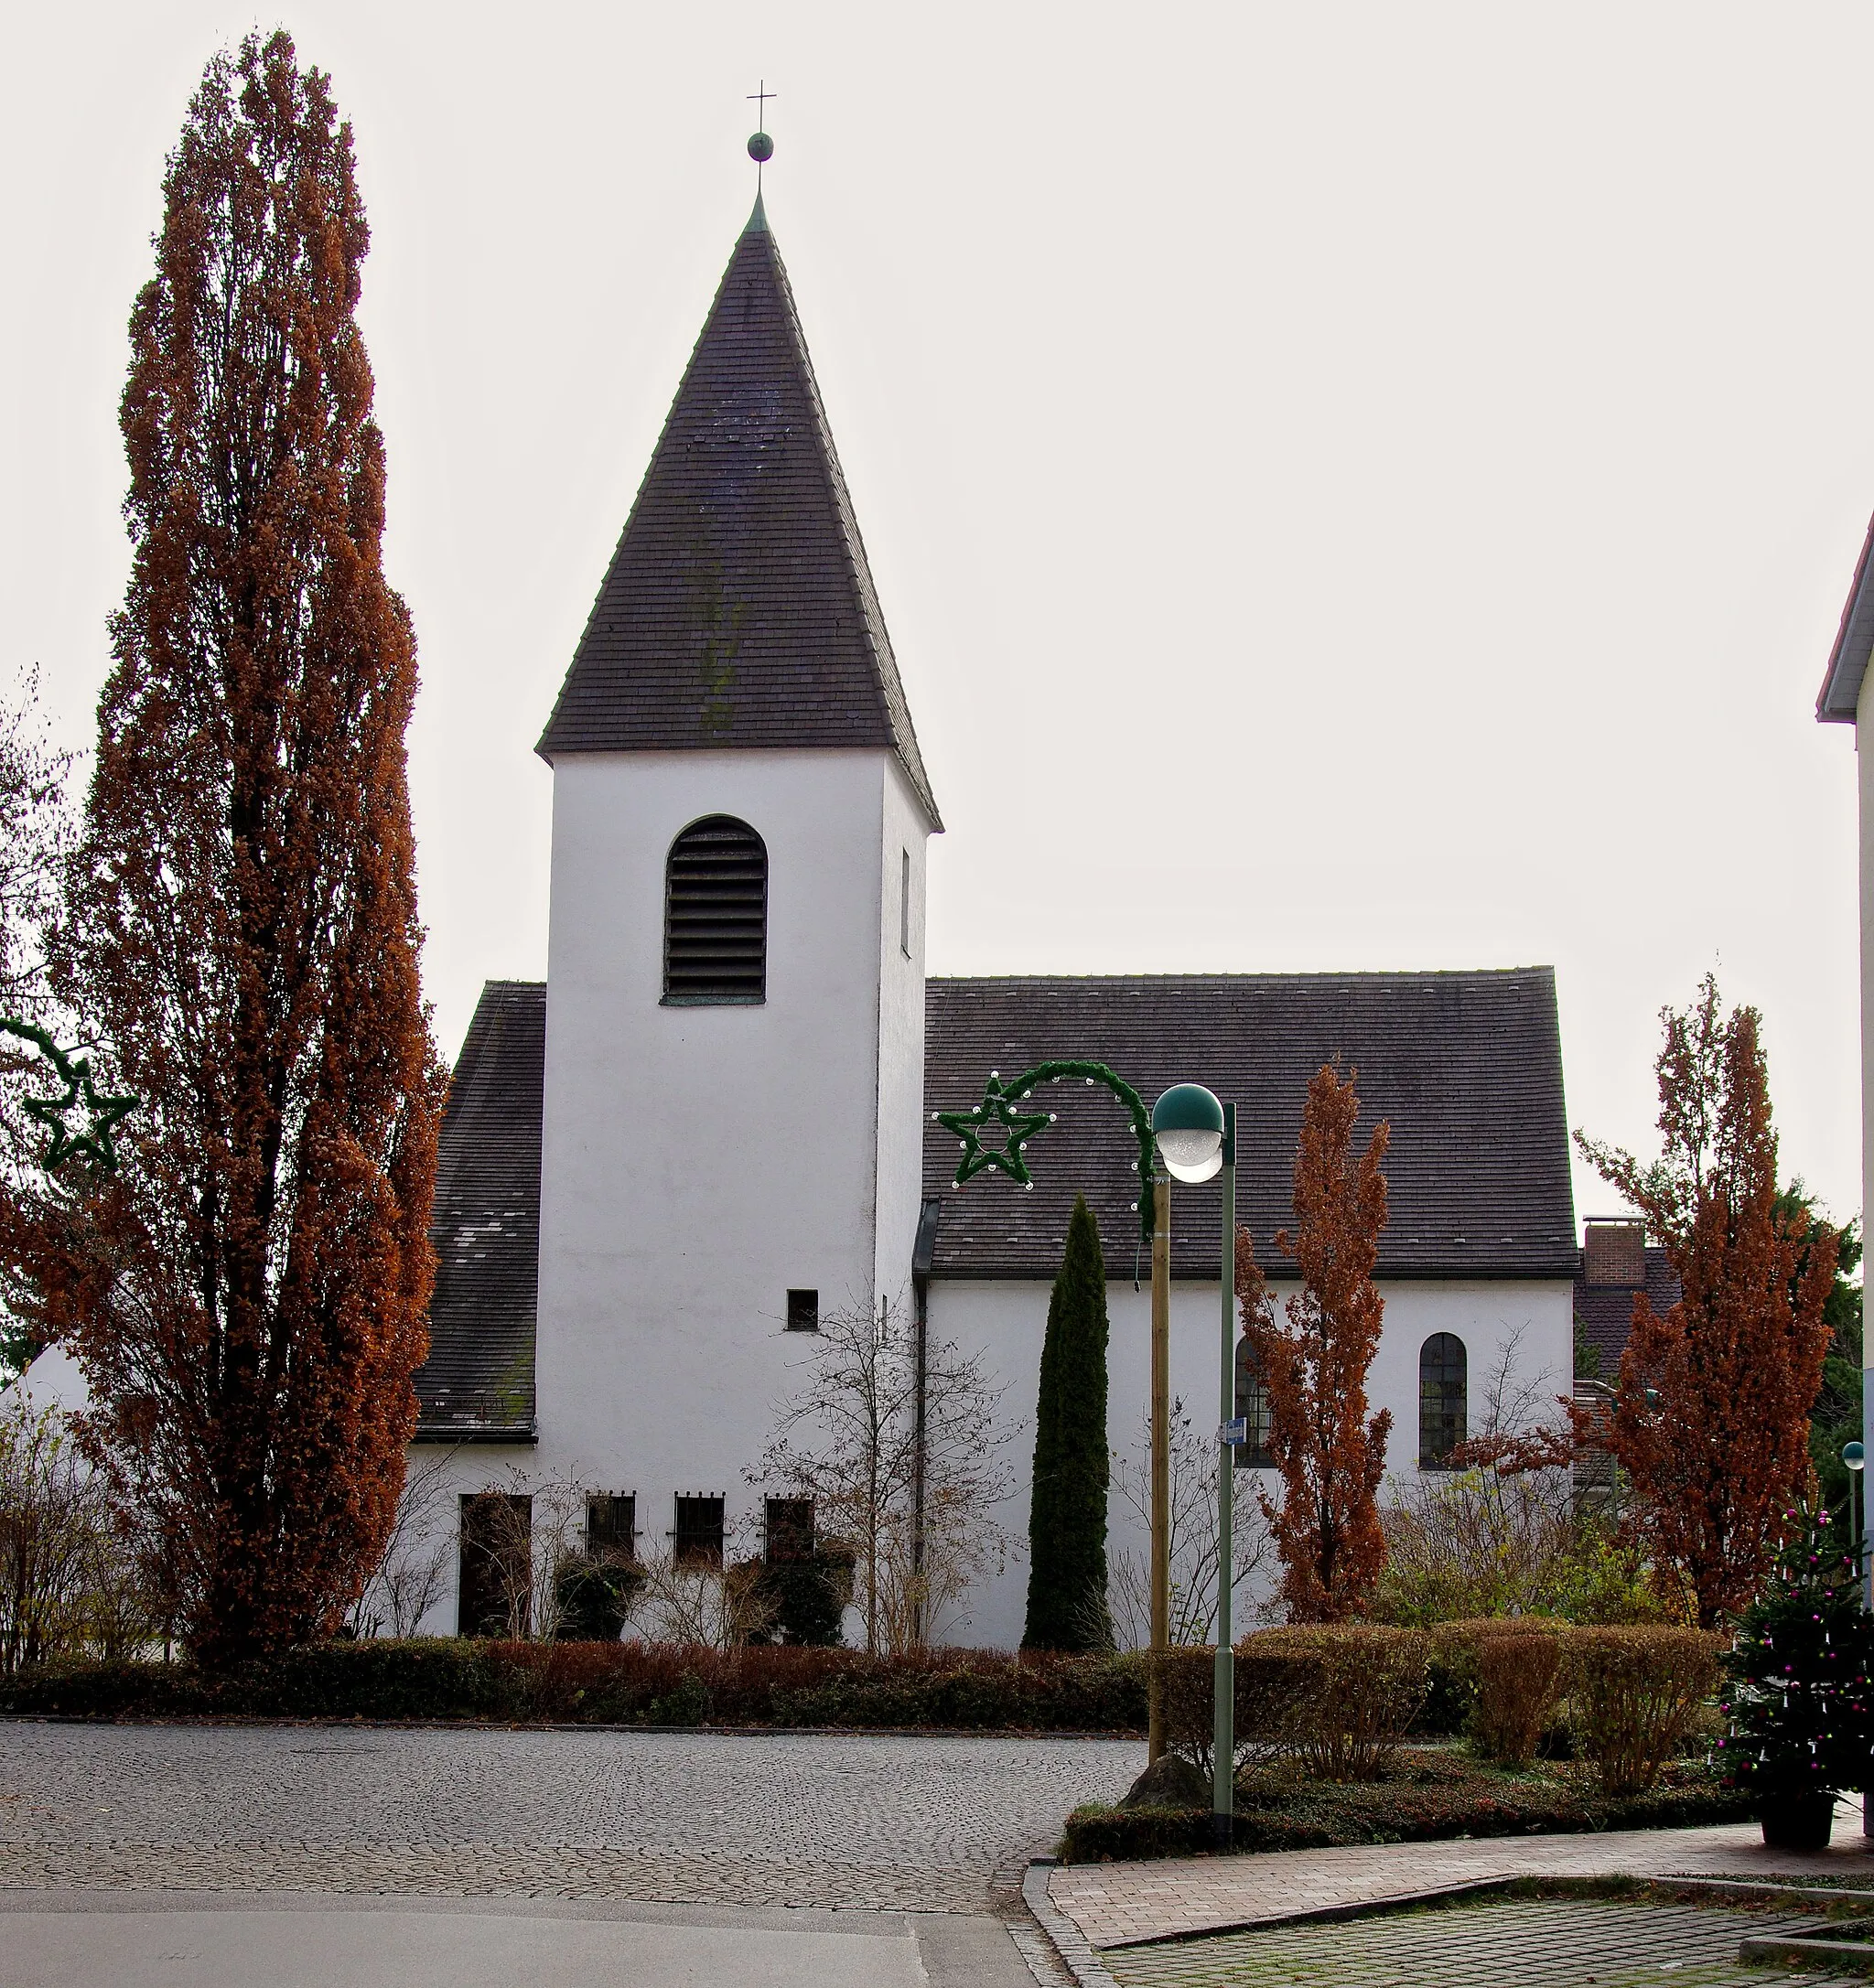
(738,610)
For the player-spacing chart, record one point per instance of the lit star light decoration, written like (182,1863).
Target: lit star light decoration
(93,1141)
(999,1108)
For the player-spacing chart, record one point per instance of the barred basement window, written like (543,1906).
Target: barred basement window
(611,1525)
(1443,1383)
(789,1530)
(697,1542)
(715,916)
(1253,1405)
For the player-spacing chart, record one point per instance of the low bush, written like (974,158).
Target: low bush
(1357,1688)
(610,1683)
(1634,1695)
(1428,1796)
(1512,1668)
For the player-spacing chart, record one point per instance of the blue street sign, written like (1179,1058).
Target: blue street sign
(1229,1434)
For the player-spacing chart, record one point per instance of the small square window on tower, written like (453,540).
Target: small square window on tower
(697,1541)
(803,1311)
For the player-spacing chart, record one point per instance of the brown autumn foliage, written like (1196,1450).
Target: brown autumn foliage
(1711,1415)
(1315,1355)
(247,1296)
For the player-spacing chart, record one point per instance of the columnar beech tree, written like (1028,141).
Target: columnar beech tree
(1711,1415)
(1067,1523)
(1314,1355)
(248,1295)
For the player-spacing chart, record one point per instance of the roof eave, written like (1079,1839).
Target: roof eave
(1840,698)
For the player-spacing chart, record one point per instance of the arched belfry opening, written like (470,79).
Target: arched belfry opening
(715,916)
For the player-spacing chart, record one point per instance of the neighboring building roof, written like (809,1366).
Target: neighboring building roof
(738,610)
(1466,1066)
(478,1382)
(1616,1265)
(1840,694)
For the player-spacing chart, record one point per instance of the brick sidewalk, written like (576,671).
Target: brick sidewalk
(1116,1903)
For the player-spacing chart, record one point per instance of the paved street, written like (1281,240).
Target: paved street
(328,1857)
(743,1819)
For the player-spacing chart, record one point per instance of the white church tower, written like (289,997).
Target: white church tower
(734,1015)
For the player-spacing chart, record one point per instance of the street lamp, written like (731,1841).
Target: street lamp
(1197,1138)
(1855,1456)
(1194,1136)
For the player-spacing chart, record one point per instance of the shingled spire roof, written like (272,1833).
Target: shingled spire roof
(738,610)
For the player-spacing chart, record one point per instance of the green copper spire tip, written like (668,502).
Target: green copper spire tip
(757,221)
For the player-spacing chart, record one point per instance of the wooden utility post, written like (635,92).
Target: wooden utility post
(1161,1463)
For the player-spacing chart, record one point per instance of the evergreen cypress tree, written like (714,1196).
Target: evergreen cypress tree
(1067,1524)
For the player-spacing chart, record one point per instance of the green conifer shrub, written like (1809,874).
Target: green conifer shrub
(1797,1703)
(1067,1524)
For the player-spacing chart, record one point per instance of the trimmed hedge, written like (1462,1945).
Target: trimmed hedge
(610,1683)
(1428,1801)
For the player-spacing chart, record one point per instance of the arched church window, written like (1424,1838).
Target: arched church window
(715,915)
(1253,1405)
(1443,1383)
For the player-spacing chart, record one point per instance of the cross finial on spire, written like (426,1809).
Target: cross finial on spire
(761,147)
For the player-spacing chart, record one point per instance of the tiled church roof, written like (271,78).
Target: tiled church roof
(1466,1066)
(478,1382)
(738,610)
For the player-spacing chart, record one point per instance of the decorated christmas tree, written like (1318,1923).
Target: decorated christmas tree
(1797,1704)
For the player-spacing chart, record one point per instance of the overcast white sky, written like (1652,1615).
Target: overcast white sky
(1427,446)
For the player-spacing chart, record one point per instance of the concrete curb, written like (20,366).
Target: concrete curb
(1066,1939)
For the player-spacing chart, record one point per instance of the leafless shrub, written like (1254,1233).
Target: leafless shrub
(721,1608)
(1195,1537)
(57,1542)
(412,1573)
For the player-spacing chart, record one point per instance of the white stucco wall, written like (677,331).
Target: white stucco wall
(1864,774)
(1007,1320)
(904,833)
(699,1162)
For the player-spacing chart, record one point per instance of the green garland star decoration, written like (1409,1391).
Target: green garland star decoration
(998,1108)
(101,1111)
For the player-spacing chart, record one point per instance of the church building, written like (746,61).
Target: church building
(713,1125)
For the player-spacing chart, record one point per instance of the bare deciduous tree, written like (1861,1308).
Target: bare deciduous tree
(851,1440)
(1196,1537)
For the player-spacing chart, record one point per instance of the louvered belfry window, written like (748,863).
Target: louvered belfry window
(715,915)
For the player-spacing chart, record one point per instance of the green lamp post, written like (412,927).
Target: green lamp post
(1197,1138)
(1855,1456)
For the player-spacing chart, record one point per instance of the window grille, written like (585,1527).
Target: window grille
(611,1525)
(697,1542)
(790,1529)
(1253,1405)
(1443,1384)
(715,915)
(803,1311)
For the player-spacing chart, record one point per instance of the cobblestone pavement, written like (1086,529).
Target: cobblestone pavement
(925,1823)
(1564,1943)
(1112,1903)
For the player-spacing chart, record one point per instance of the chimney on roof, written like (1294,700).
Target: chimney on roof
(1613,1254)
